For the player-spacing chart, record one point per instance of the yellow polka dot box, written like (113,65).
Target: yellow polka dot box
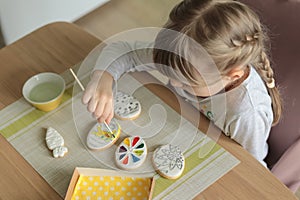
(103,184)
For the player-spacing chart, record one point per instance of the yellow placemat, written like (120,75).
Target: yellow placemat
(24,127)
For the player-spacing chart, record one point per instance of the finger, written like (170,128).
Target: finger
(86,97)
(89,92)
(99,110)
(110,116)
(112,112)
(92,105)
(106,112)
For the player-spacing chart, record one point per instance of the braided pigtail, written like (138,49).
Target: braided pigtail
(266,73)
(254,46)
(250,49)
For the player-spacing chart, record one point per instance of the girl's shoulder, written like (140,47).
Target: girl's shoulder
(251,95)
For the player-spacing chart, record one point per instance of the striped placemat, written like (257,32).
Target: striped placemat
(25,128)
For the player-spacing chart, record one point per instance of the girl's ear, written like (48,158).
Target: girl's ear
(236,73)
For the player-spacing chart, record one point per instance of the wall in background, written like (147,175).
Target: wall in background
(1,39)
(20,17)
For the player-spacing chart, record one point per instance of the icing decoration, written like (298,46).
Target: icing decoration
(131,153)
(53,139)
(55,142)
(100,138)
(112,187)
(126,106)
(60,152)
(168,161)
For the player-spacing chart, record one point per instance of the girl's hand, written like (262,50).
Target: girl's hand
(98,96)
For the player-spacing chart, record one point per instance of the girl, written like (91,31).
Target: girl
(234,38)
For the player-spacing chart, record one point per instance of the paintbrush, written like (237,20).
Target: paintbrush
(82,88)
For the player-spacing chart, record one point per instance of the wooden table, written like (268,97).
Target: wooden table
(58,46)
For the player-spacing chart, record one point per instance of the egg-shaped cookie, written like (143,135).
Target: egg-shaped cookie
(131,153)
(126,107)
(100,138)
(168,161)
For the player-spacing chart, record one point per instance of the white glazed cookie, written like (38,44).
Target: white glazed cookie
(60,151)
(126,106)
(131,153)
(55,142)
(168,161)
(53,139)
(100,138)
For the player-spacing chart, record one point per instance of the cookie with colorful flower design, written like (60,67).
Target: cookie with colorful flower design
(168,161)
(131,153)
(100,138)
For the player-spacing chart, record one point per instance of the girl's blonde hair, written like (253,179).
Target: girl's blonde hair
(230,32)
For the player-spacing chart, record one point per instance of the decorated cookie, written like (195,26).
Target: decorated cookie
(131,153)
(126,106)
(55,142)
(168,161)
(53,139)
(60,151)
(99,137)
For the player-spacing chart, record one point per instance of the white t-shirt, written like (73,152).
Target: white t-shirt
(243,113)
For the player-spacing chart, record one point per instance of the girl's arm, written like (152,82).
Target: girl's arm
(115,59)
(121,57)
